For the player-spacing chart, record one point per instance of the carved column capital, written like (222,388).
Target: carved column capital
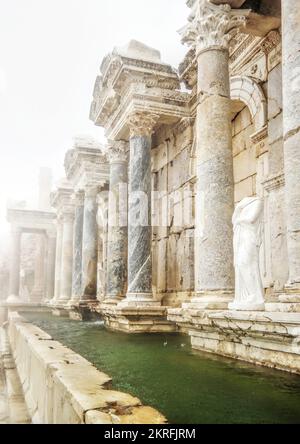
(79,198)
(212,26)
(117,151)
(68,215)
(91,191)
(142,123)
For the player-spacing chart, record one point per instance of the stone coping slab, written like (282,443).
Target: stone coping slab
(61,387)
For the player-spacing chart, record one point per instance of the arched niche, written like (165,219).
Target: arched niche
(246,91)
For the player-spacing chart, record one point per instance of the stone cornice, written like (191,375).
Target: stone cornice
(274,182)
(169,107)
(32,221)
(84,165)
(125,80)
(211,26)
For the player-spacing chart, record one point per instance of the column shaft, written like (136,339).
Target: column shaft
(15,256)
(58,258)
(117,227)
(39,271)
(67,258)
(77,249)
(50,277)
(139,222)
(89,246)
(215,186)
(291,127)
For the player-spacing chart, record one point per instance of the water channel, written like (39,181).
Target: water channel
(187,387)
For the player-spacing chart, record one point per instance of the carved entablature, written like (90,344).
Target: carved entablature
(62,198)
(86,163)
(135,79)
(255,56)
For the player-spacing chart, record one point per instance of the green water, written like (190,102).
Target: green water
(187,387)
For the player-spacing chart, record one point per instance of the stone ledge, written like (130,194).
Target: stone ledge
(152,319)
(61,387)
(266,338)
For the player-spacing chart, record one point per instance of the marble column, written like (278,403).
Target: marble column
(77,247)
(214,272)
(117,222)
(89,245)
(139,291)
(15,257)
(50,266)
(291,129)
(58,258)
(39,271)
(67,257)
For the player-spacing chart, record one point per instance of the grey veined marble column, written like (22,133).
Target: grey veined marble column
(117,222)
(58,257)
(77,247)
(214,272)
(67,257)
(15,255)
(139,220)
(291,128)
(89,245)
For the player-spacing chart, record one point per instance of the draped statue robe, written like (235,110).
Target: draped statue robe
(248,227)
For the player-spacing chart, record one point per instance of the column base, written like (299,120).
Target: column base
(246,307)
(139,300)
(287,301)
(13,299)
(210,300)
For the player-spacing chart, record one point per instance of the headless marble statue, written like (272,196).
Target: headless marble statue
(247,224)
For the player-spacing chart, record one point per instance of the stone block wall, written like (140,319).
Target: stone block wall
(173,214)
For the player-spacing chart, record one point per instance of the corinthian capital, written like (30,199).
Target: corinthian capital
(117,151)
(142,123)
(212,25)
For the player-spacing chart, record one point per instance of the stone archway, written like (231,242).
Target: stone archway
(246,90)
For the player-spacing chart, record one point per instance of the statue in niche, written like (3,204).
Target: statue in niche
(248,228)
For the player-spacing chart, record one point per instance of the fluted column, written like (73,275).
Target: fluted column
(15,255)
(208,33)
(50,268)
(117,222)
(291,130)
(67,257)
(89,245)
(77,247)
(58,258)
(139,217)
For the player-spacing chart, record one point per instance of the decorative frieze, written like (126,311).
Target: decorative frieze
(274,182)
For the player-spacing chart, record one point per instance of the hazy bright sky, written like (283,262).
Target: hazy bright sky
(50,53)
